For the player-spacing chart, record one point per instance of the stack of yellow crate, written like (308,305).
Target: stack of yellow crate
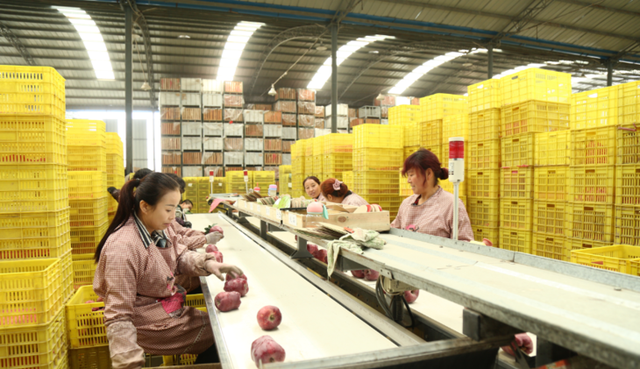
(337,154)
(433,110)
(88,196)
(591,179)
(298,171)
(533,101)
(550,194)
(205,187)
(191,191)
(627,189)
(285,183)
(318,157)
(115,169)
(35,252)
(308,158)
(483,160)
(263,179)
(376,159)
(406,117)
(456,125)
(235,182)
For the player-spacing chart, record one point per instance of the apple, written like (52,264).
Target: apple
(218,256)
(321,255)
(230,276)
(238,284)
(211,248)
(89,302)
(358,273)
(269,317)
(266,350)
(411,296)
(370,275)
(226,301)
(312,248)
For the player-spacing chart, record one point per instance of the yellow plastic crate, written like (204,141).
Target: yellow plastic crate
(375,159)
(29,103)
(405,187)
(114,143)
(579,244)
(237,176)
(376,182)
(297,165)
(549,246)
(84,240)
(448,186)
(27,188)
(299,149)
(347,178)
(30,79)
(337,143)
(39,201)
(516,214)
(389,202)
(308,166)
(627,226)
(40,346)
(594,146)
(533,116)
(552,148)
(309,147)
(87,158)
(85,327)
(338,162)
(484,95)
(515,240)
(34,235)
(484,125)
(318,145)
(484,154)
(85,213)
(83,271)
(184,359)
(484,212)
(296,182)
(90,358)
(491,234)
(628,185)
(455,126)
(550,183)
(66,266)
(536,84)
(629,102)
(438,106)
(377,136)
(430,133)
(549,217)
(484,183)
(87,185)
(30,293)
(403,115)
(407,151)
(32,128)
(264,178)
(616,258)
(517,151)
(318,164)
(411,135)
(589,222)
(85,132)
(516,183)
(592,184)
(595,108)
(628,144)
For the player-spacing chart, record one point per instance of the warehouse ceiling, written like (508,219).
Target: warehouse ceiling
(185,38)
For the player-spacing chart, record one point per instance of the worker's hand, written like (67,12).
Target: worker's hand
(523,342)
(218,269)
(214,237)
(487,242)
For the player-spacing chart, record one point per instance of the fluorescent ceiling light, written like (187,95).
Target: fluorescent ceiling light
(92,40)
(428,66)
(233,49)
(323,74)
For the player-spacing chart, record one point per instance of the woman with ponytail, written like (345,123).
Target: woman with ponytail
(336,191)
(430,209)
(138,261)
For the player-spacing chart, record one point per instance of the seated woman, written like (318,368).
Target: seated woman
(336,191)
(311,186)
(430,209)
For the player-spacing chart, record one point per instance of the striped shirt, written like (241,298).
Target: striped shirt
(157,237)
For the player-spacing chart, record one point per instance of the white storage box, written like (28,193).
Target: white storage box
(233,158)
(254,116)
(234,129)
(192,129)
(273,130)
(191,84)
(212,85)
(253,158)
(343,122)
(321,132)
(170,98)
(192,143)
(212,129)
(288,133)
(212,100)
(212,143)
(191,99)
(192,171)
(343,110)
(369,112)
(253,144)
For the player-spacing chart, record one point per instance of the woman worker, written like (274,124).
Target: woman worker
(336,191)
(311,186)
(138,260)
(430,209)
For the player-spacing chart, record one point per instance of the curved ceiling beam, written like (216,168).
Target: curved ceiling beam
(15,41)
(312,31)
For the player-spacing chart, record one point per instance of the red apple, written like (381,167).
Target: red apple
(265,350)
(239,285)
(211,248)
(218,256)
(269,317)
(312,248)
(371,275)
(358,273)
(216,229)
(100,299)
(89,302)
(230,277)
(411,296)
(226,301)
(321,255)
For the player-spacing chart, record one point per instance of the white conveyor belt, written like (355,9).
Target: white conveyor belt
(313,324)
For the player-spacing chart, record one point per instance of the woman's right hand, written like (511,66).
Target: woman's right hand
(214,237)
(218,269)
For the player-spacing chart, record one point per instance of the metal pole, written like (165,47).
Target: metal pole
(610,72)
(128,84)
(455,210)
(490,63)
(334,78)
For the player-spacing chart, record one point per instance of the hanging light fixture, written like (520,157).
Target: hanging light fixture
(272,91)
(321,47)
(380,97)
(145,86)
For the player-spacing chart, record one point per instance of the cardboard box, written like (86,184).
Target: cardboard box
(379,221)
